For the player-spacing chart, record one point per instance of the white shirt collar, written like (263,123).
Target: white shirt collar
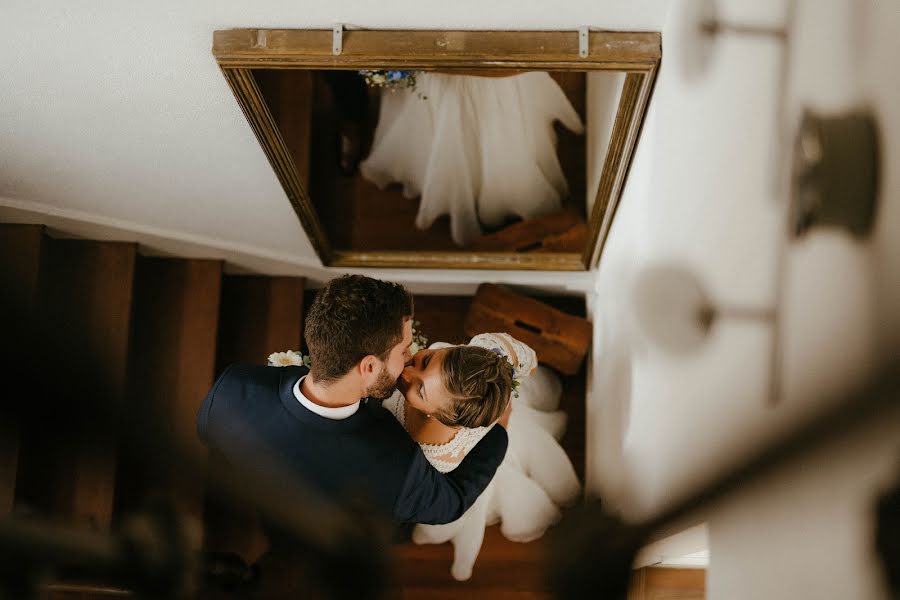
(336,413)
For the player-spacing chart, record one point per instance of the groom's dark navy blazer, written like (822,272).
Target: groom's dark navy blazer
(252,417)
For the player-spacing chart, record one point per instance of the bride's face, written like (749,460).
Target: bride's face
(421,382)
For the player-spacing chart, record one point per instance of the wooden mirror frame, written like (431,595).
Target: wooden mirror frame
(240,51)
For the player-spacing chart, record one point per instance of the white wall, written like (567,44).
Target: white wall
(701,193)
(807,530)
(604,90)
(116,116)
(698,193)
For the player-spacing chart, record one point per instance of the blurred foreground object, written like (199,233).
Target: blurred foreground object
(593,551)
(836,169)
(154,551)
(887,536)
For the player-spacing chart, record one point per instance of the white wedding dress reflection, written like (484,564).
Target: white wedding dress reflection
(479,149)
(534,480)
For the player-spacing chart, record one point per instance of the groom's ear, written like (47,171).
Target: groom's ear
(369,366)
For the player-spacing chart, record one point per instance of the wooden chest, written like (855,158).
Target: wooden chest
(560,340)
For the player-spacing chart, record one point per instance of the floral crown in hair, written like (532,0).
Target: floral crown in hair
(391,80)
(515,377)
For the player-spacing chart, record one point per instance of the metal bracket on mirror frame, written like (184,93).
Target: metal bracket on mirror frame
(337,39)
(583,41)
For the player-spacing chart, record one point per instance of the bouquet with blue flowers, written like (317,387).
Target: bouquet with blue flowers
(390,79)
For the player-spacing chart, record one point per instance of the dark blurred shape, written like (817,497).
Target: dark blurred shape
(594,551)
(887,537)
(53,383)
(228,572)
(351,100)
(591,554)
(836,169)
(150,553)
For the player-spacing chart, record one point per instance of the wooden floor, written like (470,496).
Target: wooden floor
(359,216)
(504,569)
(666,583)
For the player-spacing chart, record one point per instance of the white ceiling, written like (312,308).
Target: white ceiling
(116,111)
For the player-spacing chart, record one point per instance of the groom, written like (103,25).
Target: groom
(313,425)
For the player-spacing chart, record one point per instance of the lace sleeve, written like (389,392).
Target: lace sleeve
(445,457)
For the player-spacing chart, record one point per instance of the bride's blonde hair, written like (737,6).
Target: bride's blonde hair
(479,382)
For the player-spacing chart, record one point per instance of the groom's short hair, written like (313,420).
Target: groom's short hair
(352,317)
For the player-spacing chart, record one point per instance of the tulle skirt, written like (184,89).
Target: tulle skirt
(479,149)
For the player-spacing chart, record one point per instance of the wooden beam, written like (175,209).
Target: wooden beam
(290,48)
(622,142)
(513,261)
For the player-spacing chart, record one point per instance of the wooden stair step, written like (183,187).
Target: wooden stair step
(171,367)
(84,297)
(20,259)
(258,316)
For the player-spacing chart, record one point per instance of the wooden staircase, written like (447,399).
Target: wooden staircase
(162,327)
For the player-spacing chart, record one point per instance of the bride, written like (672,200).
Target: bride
(449,397)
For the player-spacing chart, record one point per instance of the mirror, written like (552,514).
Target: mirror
(441,149)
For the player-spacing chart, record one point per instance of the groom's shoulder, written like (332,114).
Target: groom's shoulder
(386,426)
(375,409)
(244,374)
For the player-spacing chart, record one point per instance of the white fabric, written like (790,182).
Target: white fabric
(534,480)
(333,413)
(479,149)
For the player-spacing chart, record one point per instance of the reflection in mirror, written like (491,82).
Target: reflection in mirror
(482,161)
(447,149)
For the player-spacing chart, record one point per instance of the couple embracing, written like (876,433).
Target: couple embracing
(322,426)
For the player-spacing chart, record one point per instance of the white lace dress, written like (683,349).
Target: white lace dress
(479,149)
(534,480)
